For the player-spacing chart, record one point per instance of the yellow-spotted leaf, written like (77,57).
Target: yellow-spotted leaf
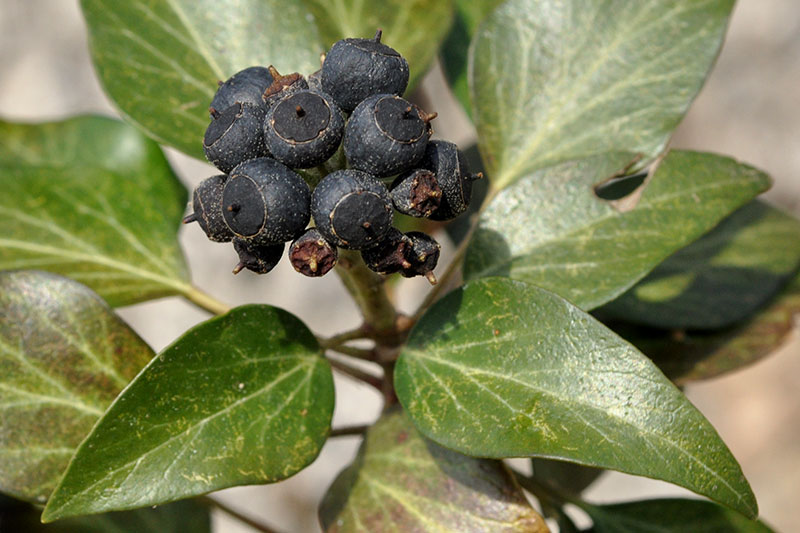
(500,368)
(240,399)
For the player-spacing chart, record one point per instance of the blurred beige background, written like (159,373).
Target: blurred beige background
(750,109)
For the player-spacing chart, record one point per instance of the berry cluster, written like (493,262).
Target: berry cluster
(266,128)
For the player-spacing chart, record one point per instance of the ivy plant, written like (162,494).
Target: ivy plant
(600,272)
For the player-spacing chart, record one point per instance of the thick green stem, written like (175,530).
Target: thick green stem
(204,300)
(369,292)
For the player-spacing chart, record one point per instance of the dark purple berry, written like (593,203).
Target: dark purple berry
(234,136)
(352,209)
(355,69)
(416,193)
(265,202)
(446,162)
(304,129)
(257,258)
(246,86)
(386,135)
(282,86)
(311,255)
(207,205)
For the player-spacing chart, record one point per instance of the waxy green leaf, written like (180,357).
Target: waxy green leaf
(551,229)
(557,81)
(721,278)
(64,356)
(179,517)
(697,355)
(415,28)
(160,60)
(240,399)
(455,50)
(670,516)
(500,368)
(401,482)
(92,199)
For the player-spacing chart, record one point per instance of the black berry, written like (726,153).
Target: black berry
(246,86)
(311,255)
(355,69)
(282,86)
(304,129)
(235,135)
(386,135)
(315,82)
(446,162)
(265,202)
(416,193)
(257,258)
(352,209)
(207,205)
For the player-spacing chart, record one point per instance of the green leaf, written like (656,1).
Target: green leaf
(551,229)
(568,478)
(179,517)
(500,368)
(721,278)
(415,28)
(92,199)
(455,50)
(64,356)
(401,482)
(160,60)
(670,516)
(240,399)
(698,355)
(552,82)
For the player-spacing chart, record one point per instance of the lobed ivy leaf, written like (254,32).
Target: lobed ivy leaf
(178,517)
(160,60)
(455,50)
(500,368)
(558,81)
(720,279)
(64,356)
(93,199)
(670,516)
(415,28)
(401,482)
(240,399)
(696,355)
(551,229)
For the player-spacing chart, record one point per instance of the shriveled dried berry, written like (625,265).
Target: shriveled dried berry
(416,193)
(352,209)
(304,129)
(386,135)
(355,69)
(257,258)
(246,87)
(234,136)
(207,205)
(311,255)
(423,257)
(282,86)
(446,162)
(390,255)
(265,202)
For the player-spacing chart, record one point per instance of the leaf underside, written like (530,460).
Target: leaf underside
(64,357)
(401,482)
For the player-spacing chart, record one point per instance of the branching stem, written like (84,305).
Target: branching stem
(205,301)
(349,430)
(216,504)
(356,373)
